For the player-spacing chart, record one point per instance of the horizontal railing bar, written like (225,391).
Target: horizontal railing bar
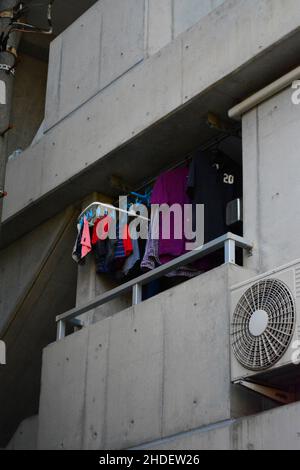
(157,273)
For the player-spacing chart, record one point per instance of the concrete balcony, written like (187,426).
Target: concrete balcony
(154,370)
(258,432)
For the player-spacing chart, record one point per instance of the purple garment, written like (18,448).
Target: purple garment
(171,188)
(151,258)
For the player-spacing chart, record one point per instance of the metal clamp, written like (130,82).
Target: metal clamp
(12,50)
(8,69)
(7,14)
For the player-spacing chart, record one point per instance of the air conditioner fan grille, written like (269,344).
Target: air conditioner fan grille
(260,351)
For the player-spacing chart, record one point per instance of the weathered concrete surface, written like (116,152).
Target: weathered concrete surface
(272,181)
(149,372)
(278,429)
(273,430)
(158,25)
(25,437)
(212,437)
(198,70)
(28,107)
(111,38)
(187,13)
(64,377)
(38,282)
(115,36)
(21,263)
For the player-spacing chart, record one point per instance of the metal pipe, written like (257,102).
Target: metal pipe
(242,108)
(61,330)
(229,251)
(136,294)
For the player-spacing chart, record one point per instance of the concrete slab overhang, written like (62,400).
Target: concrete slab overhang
(154,114)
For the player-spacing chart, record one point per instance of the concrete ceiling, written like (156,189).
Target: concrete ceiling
(65,12)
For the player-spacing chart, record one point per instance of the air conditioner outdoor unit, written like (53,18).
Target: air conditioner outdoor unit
(265,325)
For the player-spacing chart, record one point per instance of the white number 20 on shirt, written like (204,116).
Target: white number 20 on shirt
(228,179)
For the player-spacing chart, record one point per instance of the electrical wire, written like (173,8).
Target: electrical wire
(29,28)
(15,25)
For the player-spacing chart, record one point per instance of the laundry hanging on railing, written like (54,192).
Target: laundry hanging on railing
(102,230)
(208,178)
(170,188)
(214,180)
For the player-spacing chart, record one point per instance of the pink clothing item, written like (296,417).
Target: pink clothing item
(170,188)
(86,245)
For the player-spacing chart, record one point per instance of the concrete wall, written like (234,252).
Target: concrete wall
(37,282)
(273,430)
(271,143)
(166,19)
(28,108)
(145,95)
(276,429)
(151,371)
(188,12)
(21,263)
(111,38)
(25,438)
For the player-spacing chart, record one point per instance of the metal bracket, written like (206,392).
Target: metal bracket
(13,51)
(215,122)
(275,394)
(77,323)
(249,252)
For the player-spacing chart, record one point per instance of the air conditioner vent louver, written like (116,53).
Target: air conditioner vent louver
(263,324)
(297,281)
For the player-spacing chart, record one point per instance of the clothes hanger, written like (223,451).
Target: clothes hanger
(110,209)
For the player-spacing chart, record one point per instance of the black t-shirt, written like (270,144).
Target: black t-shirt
(214,180)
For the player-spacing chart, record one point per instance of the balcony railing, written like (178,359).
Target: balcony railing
(229,242)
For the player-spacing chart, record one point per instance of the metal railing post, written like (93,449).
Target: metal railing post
(61,330)
(136,294)
(229,251)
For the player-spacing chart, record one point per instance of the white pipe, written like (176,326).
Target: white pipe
(239,110)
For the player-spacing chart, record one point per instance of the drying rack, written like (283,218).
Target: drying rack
(112,208)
